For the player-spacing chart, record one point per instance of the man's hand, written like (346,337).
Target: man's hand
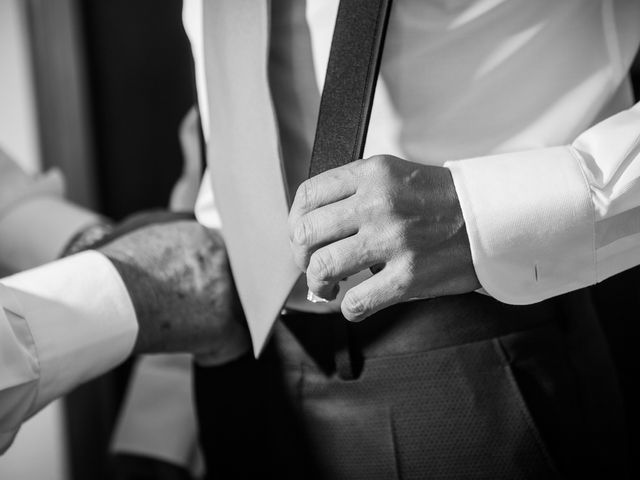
(400,219)
(178,277)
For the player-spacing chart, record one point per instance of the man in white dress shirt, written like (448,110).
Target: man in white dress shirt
(528,106)
(442,97)
(502,154)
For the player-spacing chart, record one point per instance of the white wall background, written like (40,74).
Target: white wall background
(18,126)
(39,450)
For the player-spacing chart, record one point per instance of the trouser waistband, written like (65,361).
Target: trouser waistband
(331,343)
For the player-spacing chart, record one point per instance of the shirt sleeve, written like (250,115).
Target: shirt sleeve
(60,325)
(38,229)
(35,221)
(548,221)
(18,185)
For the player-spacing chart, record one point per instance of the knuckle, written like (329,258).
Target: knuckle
(379,163)
(360,206)
(401,238)
(385,202)
(374,204)
(305,194)
(356,164)
(410,260)
(354,305)
(406,278)
(321,266)
(303,232)
(402,289)
(415,266)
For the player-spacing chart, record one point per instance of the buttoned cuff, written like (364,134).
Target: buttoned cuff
(80,317)
(530,221)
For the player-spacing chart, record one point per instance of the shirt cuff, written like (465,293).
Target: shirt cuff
(80,317)
(37,230)
(530,221)
(20,369)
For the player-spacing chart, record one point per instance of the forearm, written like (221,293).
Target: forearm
(173,283)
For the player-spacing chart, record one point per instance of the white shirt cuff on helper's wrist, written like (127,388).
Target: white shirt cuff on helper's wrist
(80,317)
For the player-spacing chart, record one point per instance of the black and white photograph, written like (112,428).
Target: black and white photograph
(319,239)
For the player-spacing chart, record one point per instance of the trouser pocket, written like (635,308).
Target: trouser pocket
(565,392)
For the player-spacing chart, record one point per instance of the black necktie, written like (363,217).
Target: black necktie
(345,108)
(349,87)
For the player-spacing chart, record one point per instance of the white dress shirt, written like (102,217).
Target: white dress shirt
(527,103)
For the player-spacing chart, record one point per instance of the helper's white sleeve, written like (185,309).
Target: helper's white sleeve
(38,229)
(60,324)
(36,223)
(548,221)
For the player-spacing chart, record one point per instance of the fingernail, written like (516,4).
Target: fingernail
(313,298)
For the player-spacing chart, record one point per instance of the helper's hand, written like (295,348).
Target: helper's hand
(400,219)
(178,276)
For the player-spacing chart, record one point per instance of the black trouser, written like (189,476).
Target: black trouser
(456,387)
